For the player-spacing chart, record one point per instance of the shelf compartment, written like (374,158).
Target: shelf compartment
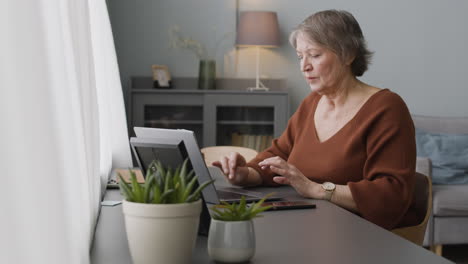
(245,113)
(228,135)
(173,113)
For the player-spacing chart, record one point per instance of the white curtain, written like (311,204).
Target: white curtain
(62,127)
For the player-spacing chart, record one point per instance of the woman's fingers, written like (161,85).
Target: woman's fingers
(218,164)
(281,180)
(233,167)
(224,165)
(288,174)
(230,163)
(279,171)
(274,161)
(233,156)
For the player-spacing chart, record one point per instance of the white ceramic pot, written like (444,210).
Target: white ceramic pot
(161,233)
(231,241)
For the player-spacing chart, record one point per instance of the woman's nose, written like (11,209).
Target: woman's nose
(305,66)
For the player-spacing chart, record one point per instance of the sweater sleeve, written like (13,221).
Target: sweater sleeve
(384,195)
(283,145)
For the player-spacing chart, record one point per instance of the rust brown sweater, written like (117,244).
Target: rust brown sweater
(374,154)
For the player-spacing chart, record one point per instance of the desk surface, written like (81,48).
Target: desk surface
(327,234)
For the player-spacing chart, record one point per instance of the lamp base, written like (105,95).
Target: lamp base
(258,89)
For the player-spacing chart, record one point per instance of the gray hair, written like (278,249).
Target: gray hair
(340,32)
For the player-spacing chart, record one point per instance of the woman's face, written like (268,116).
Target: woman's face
(322,68)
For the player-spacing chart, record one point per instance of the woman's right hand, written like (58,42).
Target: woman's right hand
(234,168)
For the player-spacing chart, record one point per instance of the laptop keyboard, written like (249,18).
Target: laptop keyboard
(241,191)
(227,195)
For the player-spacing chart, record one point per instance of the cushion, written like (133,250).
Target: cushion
(450,200)
(448,153)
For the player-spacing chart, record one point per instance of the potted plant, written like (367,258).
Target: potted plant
(232,237)
(162,215)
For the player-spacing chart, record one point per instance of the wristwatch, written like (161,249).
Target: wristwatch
(329,188)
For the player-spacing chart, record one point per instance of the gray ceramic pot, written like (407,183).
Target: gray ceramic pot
(231,241)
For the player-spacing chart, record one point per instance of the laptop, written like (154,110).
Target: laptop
(182,143)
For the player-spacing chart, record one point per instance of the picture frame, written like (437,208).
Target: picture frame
(161,77)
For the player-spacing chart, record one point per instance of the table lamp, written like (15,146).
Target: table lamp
(258,29)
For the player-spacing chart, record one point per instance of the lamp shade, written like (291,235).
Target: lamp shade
(258,28)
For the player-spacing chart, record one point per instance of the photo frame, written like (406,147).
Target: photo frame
(161,77)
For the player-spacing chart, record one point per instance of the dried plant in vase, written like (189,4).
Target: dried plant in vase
(207,60)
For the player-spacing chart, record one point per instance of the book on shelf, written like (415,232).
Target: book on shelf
(245,141)
(253,141)
(258,141)
(263,143)
(236,139)
(269,140)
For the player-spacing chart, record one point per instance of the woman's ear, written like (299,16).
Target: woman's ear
(350,60)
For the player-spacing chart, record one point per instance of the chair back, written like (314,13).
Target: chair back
(422,204)
(436,124)
(211,154)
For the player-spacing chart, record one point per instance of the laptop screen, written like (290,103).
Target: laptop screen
(171,152)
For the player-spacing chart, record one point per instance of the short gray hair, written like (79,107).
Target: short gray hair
(338,31)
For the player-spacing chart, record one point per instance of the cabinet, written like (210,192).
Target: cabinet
(218,117)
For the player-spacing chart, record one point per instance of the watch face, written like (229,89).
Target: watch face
(328,186)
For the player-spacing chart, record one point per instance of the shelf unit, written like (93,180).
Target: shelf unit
(218,117)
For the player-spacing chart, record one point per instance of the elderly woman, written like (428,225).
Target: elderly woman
(348,142)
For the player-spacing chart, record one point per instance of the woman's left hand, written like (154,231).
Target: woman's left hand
(289,175)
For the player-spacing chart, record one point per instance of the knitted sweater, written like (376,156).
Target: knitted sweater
(374,154)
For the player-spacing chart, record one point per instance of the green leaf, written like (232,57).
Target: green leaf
(168,181)
(255,212)
(259,203)
(175,177)
(159,179)
(188,190)
(156,194)
(149,181)
(165,195)
(242,205)
(161,172)
(127,192)
(183,173)
(196,194)
(151,169)
(136,188)
(190,175)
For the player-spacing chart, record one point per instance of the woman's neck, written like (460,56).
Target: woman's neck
(345,90)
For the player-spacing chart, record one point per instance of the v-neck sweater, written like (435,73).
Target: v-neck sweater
(374,154)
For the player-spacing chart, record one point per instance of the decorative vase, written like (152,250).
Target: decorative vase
(231,241)
(161,233)
(207,75)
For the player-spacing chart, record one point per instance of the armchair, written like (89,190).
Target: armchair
(448,223)
(422,203)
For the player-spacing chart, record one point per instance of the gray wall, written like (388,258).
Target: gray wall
(420,45)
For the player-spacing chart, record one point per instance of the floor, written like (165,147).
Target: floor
(456,253)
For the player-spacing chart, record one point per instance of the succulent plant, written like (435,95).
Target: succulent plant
(163,185)
(239,211)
